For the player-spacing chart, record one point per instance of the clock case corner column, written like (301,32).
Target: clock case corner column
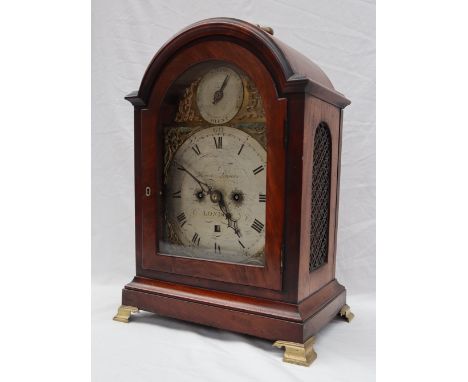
(139,108)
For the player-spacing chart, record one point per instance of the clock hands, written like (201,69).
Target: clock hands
(218,94)
(206,189)
(224,83)
(215,196)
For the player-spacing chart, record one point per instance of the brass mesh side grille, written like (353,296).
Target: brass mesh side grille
(320,210)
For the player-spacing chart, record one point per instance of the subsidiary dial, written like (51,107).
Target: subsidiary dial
(220,95)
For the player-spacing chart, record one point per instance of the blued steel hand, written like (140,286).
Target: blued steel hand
(215,196)
(218,197)
(218,95)
(206,189)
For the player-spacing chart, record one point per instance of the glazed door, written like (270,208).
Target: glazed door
(211,169)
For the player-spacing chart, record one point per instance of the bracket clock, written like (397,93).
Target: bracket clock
(237,163)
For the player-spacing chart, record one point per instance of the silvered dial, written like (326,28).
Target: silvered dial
(219,95)
(216,195)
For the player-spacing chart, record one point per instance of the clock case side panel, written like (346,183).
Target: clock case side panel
(294,154)
(319,112)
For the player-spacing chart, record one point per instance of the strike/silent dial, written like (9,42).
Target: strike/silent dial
(219,95)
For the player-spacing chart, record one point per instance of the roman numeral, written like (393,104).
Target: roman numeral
(257,226)
(196,149)
(240,149)
(218,142)
(262,198)
(258,169)
(176,194)
(217,248)
(182,219)
(196,239)
(242,245)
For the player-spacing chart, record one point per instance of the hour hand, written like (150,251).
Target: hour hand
(231,222)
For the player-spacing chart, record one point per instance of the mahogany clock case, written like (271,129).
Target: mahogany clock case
(287,298)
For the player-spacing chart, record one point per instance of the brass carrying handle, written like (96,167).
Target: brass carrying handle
(266,29)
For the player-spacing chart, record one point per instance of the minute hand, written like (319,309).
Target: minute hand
(205,187)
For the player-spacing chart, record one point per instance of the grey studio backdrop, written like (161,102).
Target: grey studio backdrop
(340,37)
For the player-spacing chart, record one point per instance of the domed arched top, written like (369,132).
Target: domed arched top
(291,71)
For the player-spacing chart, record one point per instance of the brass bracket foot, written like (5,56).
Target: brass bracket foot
(124,312)
(346,313)
(298,354)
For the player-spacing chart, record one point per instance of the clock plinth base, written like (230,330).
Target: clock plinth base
(258,317)
(124,312)
(346,313)
(296,353)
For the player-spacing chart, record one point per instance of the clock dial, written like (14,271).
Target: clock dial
(216,196)
(219,95)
